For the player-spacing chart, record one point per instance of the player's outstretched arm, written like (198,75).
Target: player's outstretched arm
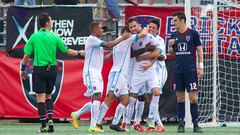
(152,55)
(111,44)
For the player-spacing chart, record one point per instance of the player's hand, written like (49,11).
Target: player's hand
(145,30)
(23,75)
(200,72)
(161,57)
(171,42)
(126,35)
(150,47)
(145,66)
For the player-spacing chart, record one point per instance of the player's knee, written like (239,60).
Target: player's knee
(193,99)
(155,91)
(180,98)
(141,98)
(97,96)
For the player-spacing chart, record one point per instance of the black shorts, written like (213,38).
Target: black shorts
(44,79)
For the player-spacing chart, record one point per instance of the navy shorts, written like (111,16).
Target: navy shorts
(185,81)
(44,79)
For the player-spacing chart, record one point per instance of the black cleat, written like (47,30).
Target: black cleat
(181,129)
(197,129)
(50,126)
(116,128)
(100,126)
(42,130)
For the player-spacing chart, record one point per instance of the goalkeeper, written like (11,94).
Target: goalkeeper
(184,43)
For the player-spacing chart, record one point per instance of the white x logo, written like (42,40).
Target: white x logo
(21,31)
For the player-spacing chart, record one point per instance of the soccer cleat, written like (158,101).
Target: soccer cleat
(116,128)
(160,128)
(50,126)
(96,129)
(42,130)
(150,127)
(74,120)
(138,127)
(197,129)
(100,126)
(181,129)
(125,126)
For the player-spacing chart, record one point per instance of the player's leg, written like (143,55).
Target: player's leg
(179,88)
(75,115)
(96,87)
(162,71)
(154,85)
(192,88)
(39,86)
(120,111)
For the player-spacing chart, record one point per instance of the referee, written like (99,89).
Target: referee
(44,45)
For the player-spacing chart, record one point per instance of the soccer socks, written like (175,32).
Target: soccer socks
(130,110)
(158,119)
(42,113)
(153,107)
(138,111)
(181,112)
(94,113)
(49,107)
(103,110)
(85,109)
(118,113)
(194,113)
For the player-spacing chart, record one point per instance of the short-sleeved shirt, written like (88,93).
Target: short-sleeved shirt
(162,47)
(94,56)
(142,43)
(44,45)
(121,55)
(185,50)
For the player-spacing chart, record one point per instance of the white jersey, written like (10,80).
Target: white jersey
(162,47)
(121,55)
(142,43)
(94,56)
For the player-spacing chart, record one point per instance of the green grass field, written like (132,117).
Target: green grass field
(67,129)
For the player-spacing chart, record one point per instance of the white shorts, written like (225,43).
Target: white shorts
(117,82)
(94,84)
(162,74)
(140,79)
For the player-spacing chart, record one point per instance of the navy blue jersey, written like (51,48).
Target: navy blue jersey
(185,50)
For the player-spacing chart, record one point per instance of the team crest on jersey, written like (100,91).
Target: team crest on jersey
(140,43)
(30,95)
(188,38)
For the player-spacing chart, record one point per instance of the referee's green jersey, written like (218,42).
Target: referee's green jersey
(44,44)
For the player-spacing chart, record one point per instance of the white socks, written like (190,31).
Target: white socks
(102,112)
(118,113)
(85,109)
(153,107)
(138,111)
(130,110)
(94,113)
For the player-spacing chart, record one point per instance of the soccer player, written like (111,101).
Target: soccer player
(184,43)
(94,58)
(140,78)
(161,69)
(117,80)
(44,45)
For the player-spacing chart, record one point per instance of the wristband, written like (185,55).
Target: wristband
(200,65)
(23,67)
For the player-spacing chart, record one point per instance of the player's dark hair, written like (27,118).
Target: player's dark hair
(125,29)
(43,18)
(92,26)
(180,15)
(155,22)
(130,20)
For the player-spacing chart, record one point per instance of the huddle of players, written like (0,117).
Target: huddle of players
(137,75)
(138,70)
